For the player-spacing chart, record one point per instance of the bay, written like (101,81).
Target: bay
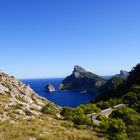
(61,98)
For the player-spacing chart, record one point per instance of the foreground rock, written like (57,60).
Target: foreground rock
(50,88)
(18,99)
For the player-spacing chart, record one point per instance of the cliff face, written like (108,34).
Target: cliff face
(18,99)
(82,80)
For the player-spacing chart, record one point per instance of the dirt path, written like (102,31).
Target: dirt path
(105,112)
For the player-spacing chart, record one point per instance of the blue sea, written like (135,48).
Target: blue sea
(61,98)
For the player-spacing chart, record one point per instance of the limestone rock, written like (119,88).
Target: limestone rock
(19,99)
(50,88)
(82,80)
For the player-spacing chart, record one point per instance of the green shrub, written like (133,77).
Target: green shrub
(68,113)
(131,119)
(109,103)
(49,109)
(101,117)
(114,129)
(123,113)
(89,108)
(82,119)
(76,115)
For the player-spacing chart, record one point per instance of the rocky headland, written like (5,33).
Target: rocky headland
(82,80)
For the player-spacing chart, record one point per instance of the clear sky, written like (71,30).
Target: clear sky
(46,38)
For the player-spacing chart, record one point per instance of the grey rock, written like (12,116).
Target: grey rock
(82,80)
(16,95)
(50,88)
(123,74)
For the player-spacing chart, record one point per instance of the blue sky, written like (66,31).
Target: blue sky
(46,38)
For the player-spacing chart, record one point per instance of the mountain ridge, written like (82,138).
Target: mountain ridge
(82,80)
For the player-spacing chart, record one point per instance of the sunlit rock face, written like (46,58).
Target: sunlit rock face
(18,97)
(82,80)
(50,88)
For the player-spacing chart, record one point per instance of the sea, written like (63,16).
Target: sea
(61,98)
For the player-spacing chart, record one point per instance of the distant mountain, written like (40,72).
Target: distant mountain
(124,85)
(82,80)
(112,83)
(123,74)
(115,81)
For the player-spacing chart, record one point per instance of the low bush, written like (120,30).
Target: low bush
(114,129)
(50,109)
(76,115)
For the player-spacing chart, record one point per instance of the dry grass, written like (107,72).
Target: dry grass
(4,98)
(43,129)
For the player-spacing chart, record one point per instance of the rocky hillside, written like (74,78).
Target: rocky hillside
(82,80)
(123,74)
(115,81)
(18,100)
(24,115)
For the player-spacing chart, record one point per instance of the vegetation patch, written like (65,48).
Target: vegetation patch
(50,109)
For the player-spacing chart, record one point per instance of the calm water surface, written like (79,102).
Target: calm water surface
(62,98)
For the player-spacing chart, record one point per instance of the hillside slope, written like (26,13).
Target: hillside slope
(14,95)
(24,115)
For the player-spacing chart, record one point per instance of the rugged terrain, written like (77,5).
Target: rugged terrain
(115,112)
(24,115)
(82,80)
(16,96)
(113,115)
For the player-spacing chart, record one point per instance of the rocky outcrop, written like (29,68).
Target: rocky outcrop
(19,98)
(50,88)
(115,81)
(82,80)
(112,83)
(123,74)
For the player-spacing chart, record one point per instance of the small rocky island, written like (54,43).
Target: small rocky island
(50,88)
